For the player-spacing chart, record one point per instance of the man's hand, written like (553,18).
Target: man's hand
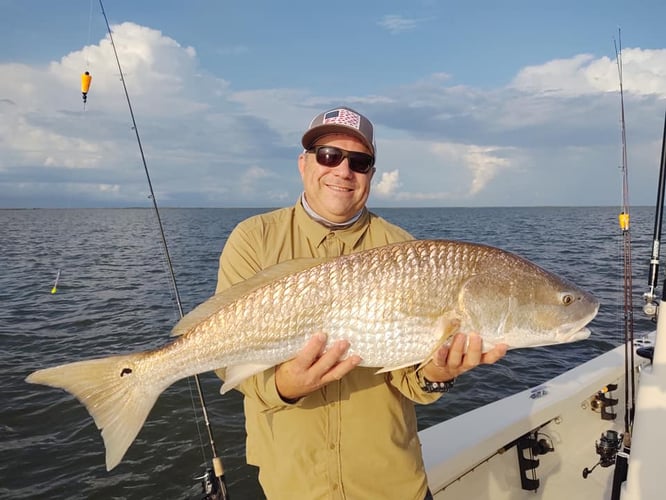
(451,360)
(312,368)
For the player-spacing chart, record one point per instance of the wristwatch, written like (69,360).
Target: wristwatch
(429,386)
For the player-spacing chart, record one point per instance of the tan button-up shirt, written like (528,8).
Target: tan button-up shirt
(352,439)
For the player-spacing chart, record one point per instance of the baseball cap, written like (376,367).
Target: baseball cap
(340,120)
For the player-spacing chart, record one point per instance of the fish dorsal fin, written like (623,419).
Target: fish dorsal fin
(206,309)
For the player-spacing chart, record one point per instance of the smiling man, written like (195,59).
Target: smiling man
(319,426)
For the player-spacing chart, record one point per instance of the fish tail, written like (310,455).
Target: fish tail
(113,391)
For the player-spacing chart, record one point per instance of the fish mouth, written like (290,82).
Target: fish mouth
(576,335)
(563,334)
(578,330)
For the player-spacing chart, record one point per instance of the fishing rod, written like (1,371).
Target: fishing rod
(214,482)
(614,448)
(629,388)
(650,307)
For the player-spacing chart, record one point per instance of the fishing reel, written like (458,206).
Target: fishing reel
(650,308)
(607,447)
(213,488)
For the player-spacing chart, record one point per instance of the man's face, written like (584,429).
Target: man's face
(335,193)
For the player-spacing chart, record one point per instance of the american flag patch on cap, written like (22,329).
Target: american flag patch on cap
(343,117)
(340,120)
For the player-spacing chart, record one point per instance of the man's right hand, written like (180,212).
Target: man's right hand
(312,368)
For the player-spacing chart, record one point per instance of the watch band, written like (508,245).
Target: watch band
(445,386)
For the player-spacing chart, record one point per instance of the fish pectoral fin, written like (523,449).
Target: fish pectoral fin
(211,306)
(236,374)
(449,327)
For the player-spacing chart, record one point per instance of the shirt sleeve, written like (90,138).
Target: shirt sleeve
(239,259)
(409,383)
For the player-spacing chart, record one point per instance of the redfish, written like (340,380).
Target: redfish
(394,304)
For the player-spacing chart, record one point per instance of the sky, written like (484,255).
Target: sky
(475,103)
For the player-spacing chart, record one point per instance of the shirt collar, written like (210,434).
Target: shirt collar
(317,232)
(325,222)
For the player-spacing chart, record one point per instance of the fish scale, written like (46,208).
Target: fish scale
(392,303)
(345,308)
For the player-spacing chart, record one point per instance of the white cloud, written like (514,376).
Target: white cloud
(153,64)
(644,73)
(27,143)
(484,164)
(555,126)
(395,24)
(254,174)
(252,177)
(106,188)
(445,172)
(388,184)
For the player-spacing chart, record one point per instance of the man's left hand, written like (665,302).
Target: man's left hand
(452,360)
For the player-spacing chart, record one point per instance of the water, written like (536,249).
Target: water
(115,295)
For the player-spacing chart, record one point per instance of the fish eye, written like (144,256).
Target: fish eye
(567,299)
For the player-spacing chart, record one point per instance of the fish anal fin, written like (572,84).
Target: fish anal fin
(234,375)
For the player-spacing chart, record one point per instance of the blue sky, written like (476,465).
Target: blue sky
(476,103)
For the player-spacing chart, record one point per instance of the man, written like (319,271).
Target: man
(319,426)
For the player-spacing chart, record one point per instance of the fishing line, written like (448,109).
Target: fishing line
(55,283)
(86,77)
(221,490)
(85,85)
(624,220)
(90,14)
(165,268)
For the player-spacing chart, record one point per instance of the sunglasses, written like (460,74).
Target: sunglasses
(330,156)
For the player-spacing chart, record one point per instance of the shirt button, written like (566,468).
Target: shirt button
(332,446)
(335,487)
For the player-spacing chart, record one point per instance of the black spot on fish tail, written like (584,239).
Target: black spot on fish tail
(125,371)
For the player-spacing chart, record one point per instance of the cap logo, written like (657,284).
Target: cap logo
(343,117)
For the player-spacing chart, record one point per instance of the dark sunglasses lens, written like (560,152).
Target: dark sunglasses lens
(360,162)
(329,157)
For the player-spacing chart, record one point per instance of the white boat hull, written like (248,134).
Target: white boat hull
(475,455)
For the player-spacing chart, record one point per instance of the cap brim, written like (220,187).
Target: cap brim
(315,133)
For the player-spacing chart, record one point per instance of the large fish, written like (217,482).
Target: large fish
(395,305)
